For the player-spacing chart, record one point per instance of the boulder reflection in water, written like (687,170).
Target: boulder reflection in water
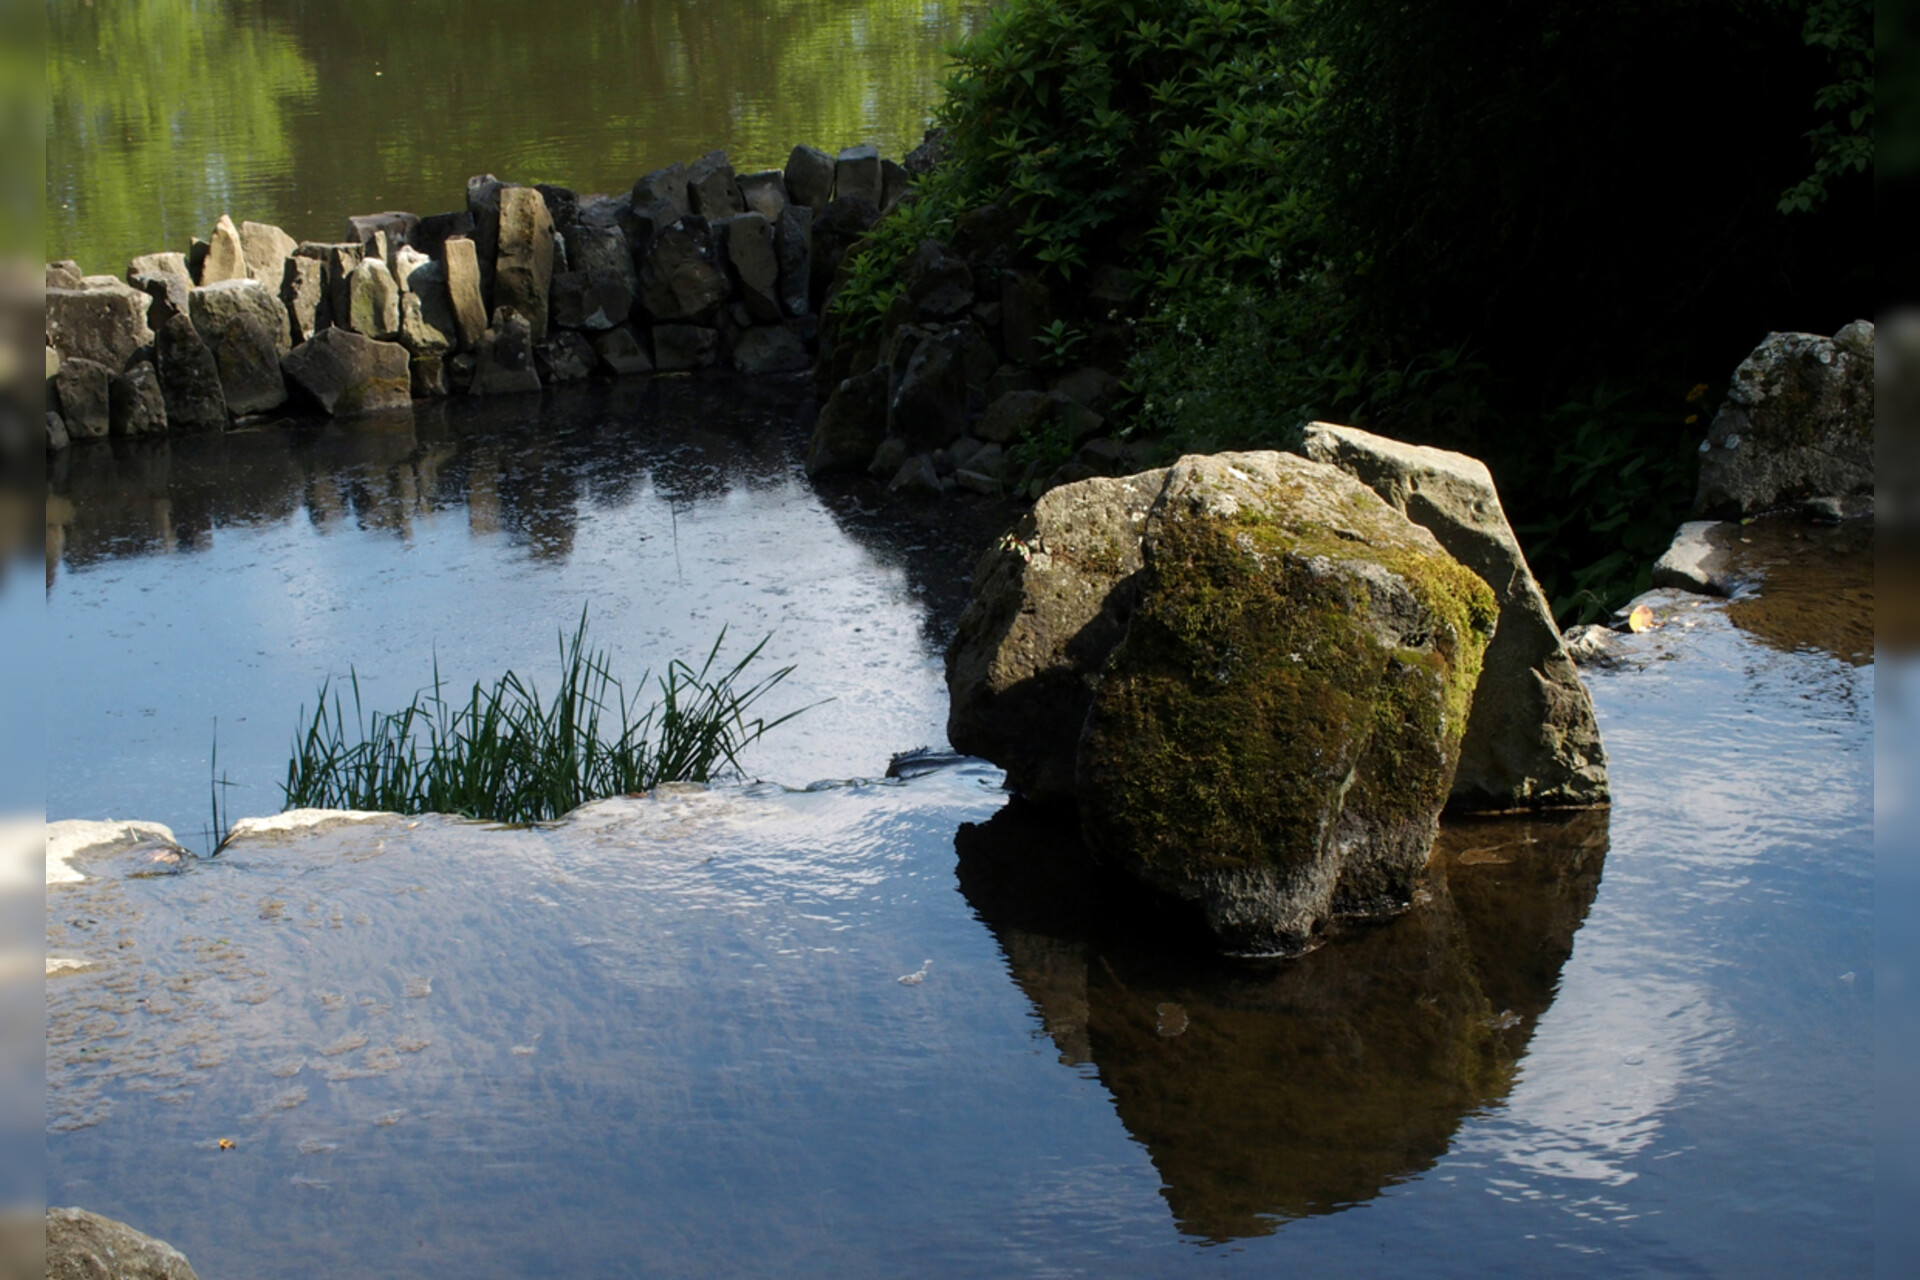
(1265,1091)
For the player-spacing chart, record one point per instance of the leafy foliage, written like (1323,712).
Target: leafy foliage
(505,754)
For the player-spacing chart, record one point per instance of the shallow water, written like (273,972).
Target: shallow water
(164,114)
(671,1036)
(221,579)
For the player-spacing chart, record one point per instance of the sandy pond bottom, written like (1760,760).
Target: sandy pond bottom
(902,1028)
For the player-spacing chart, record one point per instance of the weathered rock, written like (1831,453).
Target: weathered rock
(679,348)
(86,397)
(139,408)
(984,472)
(57,437)
(918,474)
(245,327)
(678,285)
(483,206)
(1026,308)
(189,376)
(196,257)
(349,373)
(765,193)
(851,425)
(590,300)
(303,291)
(85,1246)
(64,274)
(1797,423)
(620,351)
(563,206)
(523,266)
(1076,422)
(771,348)
(165,289)
(464,287)
(845,222)
(1014,416)
(337,262)
(659,198)
(895,182)
(503,358)
(428,377)
(888,458)
(939,284)
(1274,704)
(926,157)
(856,172)
(373,301)
(431,234)
(712,191)
(107,326)
(407,260)
(793,247)
(1696,562)
(155,264)
(597,243)
(564,357)
(1091,387)
(929,406)
(809,177)
(745,245)
(1532,739)
(226,259)
(395,227)
(428,326)
(265,248)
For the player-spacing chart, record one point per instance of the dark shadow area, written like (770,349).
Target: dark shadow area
(1270,1091)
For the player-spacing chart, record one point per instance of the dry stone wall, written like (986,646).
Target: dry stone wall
(694,267)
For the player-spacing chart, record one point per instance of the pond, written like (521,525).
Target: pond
(327,108)
(828,1024)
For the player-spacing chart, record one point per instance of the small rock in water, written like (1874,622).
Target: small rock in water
(918,976)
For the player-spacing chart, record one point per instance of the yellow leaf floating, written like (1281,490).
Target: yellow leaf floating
(228,1144)
(1641,619)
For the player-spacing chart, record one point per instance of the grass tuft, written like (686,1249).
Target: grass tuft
(506,755)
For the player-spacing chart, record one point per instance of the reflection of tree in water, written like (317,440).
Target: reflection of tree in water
(1270,1091)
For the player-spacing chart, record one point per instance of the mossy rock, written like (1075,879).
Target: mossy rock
(1276,733)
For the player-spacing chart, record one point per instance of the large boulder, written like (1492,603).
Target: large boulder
(189,377)
(86,1246)
(105,325)
(1250,674)
(712,191)
(769,348)
(620,351)
(1532,739)
(678,284)
(523,263)
(138,405)
(348,373)
(303,289)
(809,176)
(856,172)
(337,263)
(428,325)
(928,408)
(590,300)
(1797,423)
(373,306)
(245,327)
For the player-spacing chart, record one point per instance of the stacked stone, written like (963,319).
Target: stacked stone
(695,267)
(968,362)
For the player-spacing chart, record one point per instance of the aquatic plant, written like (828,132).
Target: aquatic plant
(505,754)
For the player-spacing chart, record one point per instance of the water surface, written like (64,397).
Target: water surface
(164,114)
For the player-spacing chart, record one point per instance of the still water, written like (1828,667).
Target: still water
(164,114)
(895,1027)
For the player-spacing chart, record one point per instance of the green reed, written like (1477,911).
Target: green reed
(505,754)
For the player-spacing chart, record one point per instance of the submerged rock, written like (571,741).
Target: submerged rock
(1797,423)
(1532,740)
(87,1246)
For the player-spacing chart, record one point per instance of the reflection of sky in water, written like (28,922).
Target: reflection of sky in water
(712,983)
